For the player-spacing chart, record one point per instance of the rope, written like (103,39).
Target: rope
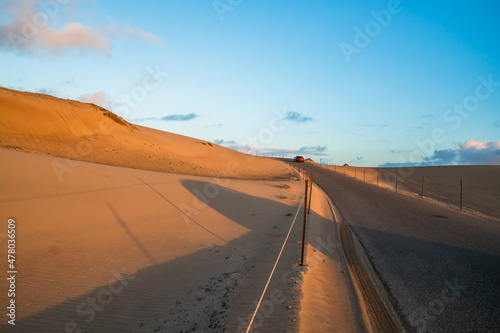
(274,268)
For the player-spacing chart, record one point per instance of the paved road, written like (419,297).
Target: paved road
(441,268)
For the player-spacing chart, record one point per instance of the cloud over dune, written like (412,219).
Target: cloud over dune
(180,117)
(30,30)
(477,152)
(441,157)
(171,117)
(223,142)
(298,117)
(471,152)
(249,149)
(97,98)
(313,150)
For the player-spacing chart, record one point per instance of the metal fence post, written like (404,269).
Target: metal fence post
(396,180)
(304,227)
(461,192)
(423,179)
(310,194)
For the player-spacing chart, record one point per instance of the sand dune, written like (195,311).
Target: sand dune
(158,250)
(113,248)
(86,132)
(173,250)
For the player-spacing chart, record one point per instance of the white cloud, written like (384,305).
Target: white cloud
(116,30)
(249,149)
(28,30)
(479,152)
(471,152)
(98,98)
(473,144)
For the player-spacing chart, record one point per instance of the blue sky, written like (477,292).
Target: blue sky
(360,82)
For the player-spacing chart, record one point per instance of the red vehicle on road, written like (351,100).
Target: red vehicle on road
(298,159)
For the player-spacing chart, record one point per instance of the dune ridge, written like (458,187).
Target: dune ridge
(85,132)
(164,251)
(158,251)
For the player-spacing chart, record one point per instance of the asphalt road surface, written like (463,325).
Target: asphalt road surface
(440,267)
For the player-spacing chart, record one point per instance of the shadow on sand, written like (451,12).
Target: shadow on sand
(211,288)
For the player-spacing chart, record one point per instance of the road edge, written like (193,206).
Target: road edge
(378,312)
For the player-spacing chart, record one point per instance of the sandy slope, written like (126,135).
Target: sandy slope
(103,248)
(159,251)
(85,132)
(481,183)
(112,249)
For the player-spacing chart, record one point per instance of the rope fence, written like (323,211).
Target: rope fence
(306,203)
